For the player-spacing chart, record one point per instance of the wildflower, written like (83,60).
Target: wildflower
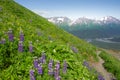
(2,41)
(58,78)
(85,63)
(32,77)
(21,36)
(43,58)
(64,67)
(74,49)
(100,77)
(49,66)
(36,63)
(10,35)
(20,46)
(50,71)
(40,71)
(30,47)
(58,65)
(56,73)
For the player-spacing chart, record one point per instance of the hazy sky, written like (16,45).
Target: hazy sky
(74,8)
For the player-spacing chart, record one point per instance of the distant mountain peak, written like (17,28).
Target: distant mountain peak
(58,20)
(84,20)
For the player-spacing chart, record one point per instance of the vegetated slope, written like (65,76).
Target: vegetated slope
(111,64)
(26,38)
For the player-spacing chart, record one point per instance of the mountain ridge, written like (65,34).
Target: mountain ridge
(91,28)
(107,19)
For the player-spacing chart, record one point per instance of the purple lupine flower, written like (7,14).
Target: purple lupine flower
(50,71)
(50,65)
(100,77)
(2,41)
(56,73)
(58,78)
(57,69)
(40,71)
(58,65)
(21,36)
(20,46)
(32,77)
(64,67)
(10,35)
(43,57)
(30,47)
(74,49)
(85,63)
(35,63)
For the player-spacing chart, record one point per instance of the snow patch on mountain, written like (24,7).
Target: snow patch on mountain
(84,20)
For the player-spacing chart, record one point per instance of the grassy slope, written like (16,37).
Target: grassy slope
(16,65)
(111,64)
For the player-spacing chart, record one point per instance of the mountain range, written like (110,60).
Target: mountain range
(84,20)
(89,28)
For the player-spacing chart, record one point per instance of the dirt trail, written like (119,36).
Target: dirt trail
(116,54)
(100,68)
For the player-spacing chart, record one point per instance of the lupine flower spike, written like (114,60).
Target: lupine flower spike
(58,78)
(74,49)
(21,36)
(100,77)
(35,63)
(50,70)
(2,41)
(40,71)
(32,77)
(10,35)
(57,70)
(20,46)
(64,66)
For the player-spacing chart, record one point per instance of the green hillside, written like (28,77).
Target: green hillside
(26,38)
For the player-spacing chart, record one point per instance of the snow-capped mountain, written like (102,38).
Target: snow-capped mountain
(110,19)
(89,28)
(59,20)
(83,20)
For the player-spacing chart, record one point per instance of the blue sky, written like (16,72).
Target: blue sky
(74,8)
